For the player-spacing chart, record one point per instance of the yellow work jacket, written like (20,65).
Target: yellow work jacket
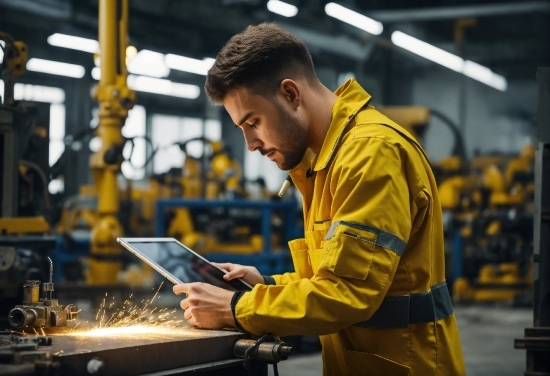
(369,276)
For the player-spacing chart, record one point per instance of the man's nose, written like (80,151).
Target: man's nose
(252,142)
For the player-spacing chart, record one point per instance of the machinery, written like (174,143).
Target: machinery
(115,100)
(24,200)
(492,226)
(181,352)
(38,314)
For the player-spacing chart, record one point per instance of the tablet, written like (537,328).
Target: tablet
(178,263)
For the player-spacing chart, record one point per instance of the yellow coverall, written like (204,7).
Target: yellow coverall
(369,275)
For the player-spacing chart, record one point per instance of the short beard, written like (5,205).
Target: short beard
(293,139)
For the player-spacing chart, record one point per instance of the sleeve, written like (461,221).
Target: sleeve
(371,223)
(284,279)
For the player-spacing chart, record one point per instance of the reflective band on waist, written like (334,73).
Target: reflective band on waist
(417,308)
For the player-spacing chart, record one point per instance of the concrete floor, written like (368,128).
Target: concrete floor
(487,334)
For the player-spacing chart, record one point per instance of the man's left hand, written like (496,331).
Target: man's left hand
(206,306)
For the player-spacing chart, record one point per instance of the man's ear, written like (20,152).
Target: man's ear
(291,93)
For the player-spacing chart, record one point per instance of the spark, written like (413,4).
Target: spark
(136,320)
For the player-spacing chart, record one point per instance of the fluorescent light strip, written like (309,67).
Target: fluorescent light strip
(282,8)
(157,85)
(468,68)
(485,75)
(164,87)
(55,67)
(187,64)
(39,93)
(353,18)
(74,43)
(428,51)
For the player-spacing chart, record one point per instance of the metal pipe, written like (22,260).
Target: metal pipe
(19,318)
(271,352)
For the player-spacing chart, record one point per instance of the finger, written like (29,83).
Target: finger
(192,321)
(184,304)
(187,315)
(181,289)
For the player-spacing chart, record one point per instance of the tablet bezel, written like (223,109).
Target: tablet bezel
(127,243)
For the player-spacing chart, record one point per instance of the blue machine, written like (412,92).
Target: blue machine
(267,262)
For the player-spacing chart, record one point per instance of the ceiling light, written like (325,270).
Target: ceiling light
(38,93)
(187,64)
(427,51)
(485,75)
(164,87)
(55,67)
(353,18)
(74,43)
(468,68)
(149,63)
(282,8)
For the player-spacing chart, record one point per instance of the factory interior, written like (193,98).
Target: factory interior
(106,132)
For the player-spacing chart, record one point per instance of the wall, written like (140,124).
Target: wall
(494,121)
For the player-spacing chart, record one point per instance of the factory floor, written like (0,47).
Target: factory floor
(487,334)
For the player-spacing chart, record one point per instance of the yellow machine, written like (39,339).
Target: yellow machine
(498,229)
(222,179)
(115,100)
(12,137)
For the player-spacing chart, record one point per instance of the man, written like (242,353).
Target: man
(369,274)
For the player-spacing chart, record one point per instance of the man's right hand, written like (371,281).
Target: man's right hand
(249,274)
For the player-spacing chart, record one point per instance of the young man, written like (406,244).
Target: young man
(369,274)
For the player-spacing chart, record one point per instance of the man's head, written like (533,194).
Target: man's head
(260,76)
(258,58)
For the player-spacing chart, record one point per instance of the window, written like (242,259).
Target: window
(56,97)
(167,130)
(135,127)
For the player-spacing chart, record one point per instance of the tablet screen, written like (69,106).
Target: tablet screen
(184,264)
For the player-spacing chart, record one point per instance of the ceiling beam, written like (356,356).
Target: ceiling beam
(442,13)
(339,45)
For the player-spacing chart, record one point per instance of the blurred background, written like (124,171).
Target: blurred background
(104,135)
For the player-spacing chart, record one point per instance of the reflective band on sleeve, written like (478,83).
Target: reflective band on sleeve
(417,308)
(383,239)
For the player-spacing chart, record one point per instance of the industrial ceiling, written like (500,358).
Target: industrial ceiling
(510,37)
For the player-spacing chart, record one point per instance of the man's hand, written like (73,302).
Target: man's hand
(206,306)
(249,274)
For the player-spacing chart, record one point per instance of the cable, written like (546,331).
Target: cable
(251,349)
(42,175)
(458,148)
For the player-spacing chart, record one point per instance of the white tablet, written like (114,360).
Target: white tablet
(178,263)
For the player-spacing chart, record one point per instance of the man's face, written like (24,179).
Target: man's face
(269,126)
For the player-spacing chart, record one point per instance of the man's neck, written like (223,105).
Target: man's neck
(321,117)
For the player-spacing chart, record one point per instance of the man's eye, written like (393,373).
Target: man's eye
(255,124)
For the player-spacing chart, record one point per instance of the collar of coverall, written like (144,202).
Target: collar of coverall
(351,98)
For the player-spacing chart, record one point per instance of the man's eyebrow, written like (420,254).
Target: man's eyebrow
(245,118)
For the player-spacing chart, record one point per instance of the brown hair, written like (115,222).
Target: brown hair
(258,58)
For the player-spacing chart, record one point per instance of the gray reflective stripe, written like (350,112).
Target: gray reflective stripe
(383,239)
(417,308)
